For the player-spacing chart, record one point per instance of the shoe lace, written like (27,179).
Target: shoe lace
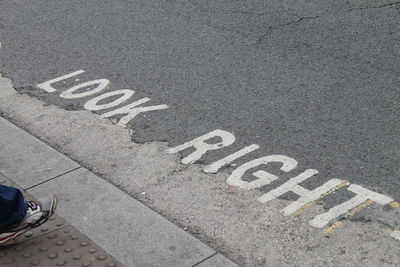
(32,205)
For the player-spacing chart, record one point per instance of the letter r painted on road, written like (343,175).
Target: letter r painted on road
(202,147)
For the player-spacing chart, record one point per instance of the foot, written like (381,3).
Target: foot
(38,213)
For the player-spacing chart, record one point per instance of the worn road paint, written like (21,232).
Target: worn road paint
(306,198)
(322,220)
(47,85)
(348,215)
(362,195)
(264,178)
(367,203)
(130,111)
(388,232)
(214,167)
(330,229)
(93,105)
(395,234)
(290,185)
(309,204)
(102,84)
(202,147)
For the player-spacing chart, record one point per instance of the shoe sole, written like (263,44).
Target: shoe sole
(11,239)
(54,205)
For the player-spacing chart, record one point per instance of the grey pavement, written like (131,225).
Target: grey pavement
(26,160)
(134,234)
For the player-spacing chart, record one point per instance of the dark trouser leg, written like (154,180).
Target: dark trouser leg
(12,206)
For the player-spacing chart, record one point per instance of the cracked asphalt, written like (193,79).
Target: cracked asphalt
(318,81)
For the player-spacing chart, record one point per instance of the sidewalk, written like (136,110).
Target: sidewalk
(96,223)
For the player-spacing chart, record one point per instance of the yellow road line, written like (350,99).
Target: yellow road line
(388,232)
(303,208)
(330,229)
(309,204)
(336,224)
(358,208)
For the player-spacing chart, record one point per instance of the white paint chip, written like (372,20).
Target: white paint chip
(395,234)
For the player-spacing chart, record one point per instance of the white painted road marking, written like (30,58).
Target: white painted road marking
(264,178)
(47,85)
(213,168)
(102,84)
(395,234)
(93,105)
(202,147)
(306,197)
(289,186)
(362,195)
(130,111)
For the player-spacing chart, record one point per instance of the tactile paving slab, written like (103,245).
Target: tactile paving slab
(54,223)
(63,247)
(55,243)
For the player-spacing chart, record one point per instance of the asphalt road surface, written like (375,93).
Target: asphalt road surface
(316,81)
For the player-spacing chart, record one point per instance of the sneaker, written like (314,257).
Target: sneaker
(38,213)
